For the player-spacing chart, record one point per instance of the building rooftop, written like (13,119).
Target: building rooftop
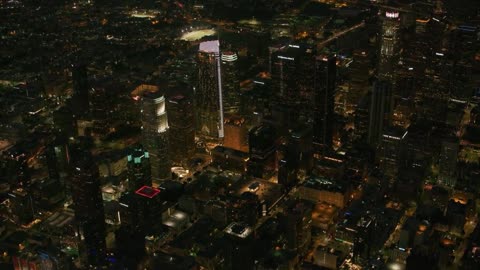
(238,230)
(148,192)
(324,183)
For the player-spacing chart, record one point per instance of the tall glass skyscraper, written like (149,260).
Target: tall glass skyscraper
(181,121)
(325,74)
(88,206)
(389,48)
(155,134)
(80,99)
(138,169)
(231,84)
(208,94)
(380,110)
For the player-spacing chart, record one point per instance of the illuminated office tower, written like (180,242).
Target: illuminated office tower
(155,134)
(231,84)
(325,74)
(293,72)
(138,169)
(391,151)
(208,94)
(80,102)
(88,206)
(236,133)
(380,110)
(181,122)
(447,175)
(389,48)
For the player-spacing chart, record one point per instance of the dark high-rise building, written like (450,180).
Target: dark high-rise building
(297,156)
(380,110)
(138,169)
(155,134)
(22,206)
(102,101)
(51,157)
(88,206)
(362,117)
(389,48)
(391,151)
(298,221)
(262,151)
(239,247)
(64,122)
(293,72)
(130,237)
(80,102)
(323,114)
(208,94)
(256,98)
(130,247)
(231,84)
(181,121)
(448,162)
(287,174)
(149,208)
(363,241)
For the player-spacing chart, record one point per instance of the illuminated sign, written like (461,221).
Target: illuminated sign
(391,15)
(286,58)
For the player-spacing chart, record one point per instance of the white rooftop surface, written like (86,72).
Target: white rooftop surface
(197,34)
(176,220)
(212,46)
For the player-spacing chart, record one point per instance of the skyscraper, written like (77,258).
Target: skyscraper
(88,206)
(138,169)
(149,208)
(231,84)
(239,247)
(181,122)
(208,94)
(80,102)
(262,151)
(389,48)
(448,162)
(155,134)
(236,133)
(298,222)
(380,110)
(391,151)
(22,206)
(292,72)
(51,157)
(325,74)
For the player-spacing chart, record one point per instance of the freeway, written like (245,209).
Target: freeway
(339,34)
